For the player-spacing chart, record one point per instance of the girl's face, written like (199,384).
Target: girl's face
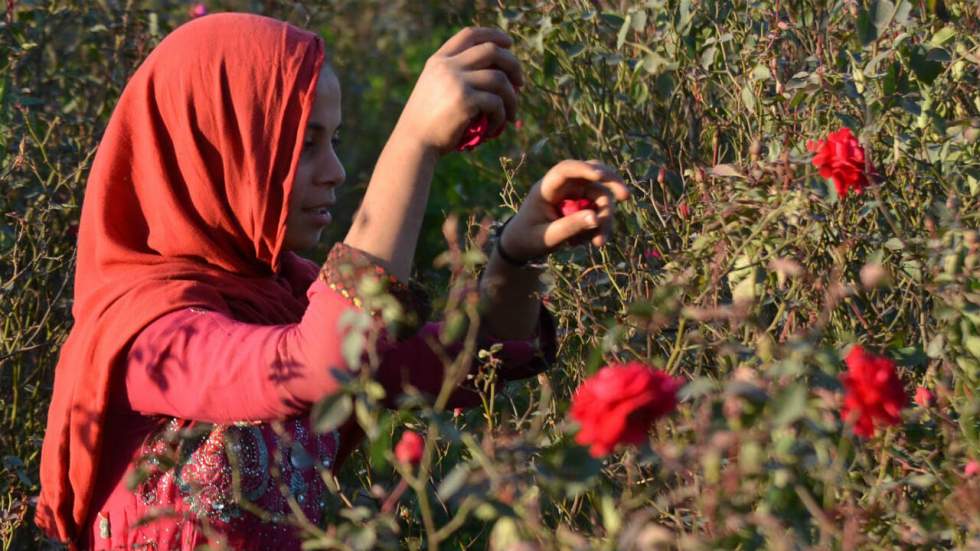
(319,171)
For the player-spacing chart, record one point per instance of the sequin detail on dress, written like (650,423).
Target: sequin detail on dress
(197,471)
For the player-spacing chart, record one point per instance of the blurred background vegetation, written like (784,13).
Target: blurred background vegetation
(736,265)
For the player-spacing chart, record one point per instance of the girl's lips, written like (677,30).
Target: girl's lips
(321,215)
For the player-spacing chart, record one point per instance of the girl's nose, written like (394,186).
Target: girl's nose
(334,173)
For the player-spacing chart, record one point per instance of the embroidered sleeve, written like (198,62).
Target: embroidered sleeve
(359,278)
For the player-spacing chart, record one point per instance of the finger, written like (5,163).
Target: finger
(489,55)
(492,106)
(605,206)
(496,82)
(564,229)
(612,180)
(566,178)
(471,36)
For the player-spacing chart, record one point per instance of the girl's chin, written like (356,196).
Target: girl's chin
(307,241)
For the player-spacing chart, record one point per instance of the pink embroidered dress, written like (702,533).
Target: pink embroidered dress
(209,408)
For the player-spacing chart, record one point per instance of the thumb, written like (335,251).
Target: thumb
(567,227)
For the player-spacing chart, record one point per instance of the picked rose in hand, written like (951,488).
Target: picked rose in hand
(619,403)
(571,206)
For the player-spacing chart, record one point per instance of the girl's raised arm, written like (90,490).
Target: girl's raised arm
(473,73)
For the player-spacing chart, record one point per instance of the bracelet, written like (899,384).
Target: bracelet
(498,234)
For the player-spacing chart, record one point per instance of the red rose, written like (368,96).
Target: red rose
(618,404)
(841,158)
(924,397)
(874,395)
(571,206)
(409,449)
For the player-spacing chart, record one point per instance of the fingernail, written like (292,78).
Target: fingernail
(591,221)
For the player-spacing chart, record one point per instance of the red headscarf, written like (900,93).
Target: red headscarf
(185,205)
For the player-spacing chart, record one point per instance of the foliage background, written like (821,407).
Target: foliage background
(735,264)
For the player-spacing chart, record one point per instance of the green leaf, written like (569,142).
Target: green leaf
(943,36)
(972,345)
(894,244)
(748,98)
(572,50)
(611,519)
(702,386)
(936,347)
(925,69)
(865,28)
(352,347)
(790,405)
(331,412)
(623,31)
(884,13)
(655,64)
(453,481)
(761,72)
(726,171)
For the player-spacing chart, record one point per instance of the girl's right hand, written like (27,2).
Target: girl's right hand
(472,73)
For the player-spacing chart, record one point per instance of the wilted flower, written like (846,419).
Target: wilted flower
(618,404)
(841,158)
(409,449)
(874,394)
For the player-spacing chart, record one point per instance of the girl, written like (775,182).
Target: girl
(194,316)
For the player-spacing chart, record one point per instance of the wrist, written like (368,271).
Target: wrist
(508,254)
(405,136)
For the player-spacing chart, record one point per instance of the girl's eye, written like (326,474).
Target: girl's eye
(307,145)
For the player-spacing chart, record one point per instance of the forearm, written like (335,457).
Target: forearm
(388,222)
(510,296)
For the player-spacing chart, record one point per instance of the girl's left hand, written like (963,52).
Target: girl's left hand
(539,228)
